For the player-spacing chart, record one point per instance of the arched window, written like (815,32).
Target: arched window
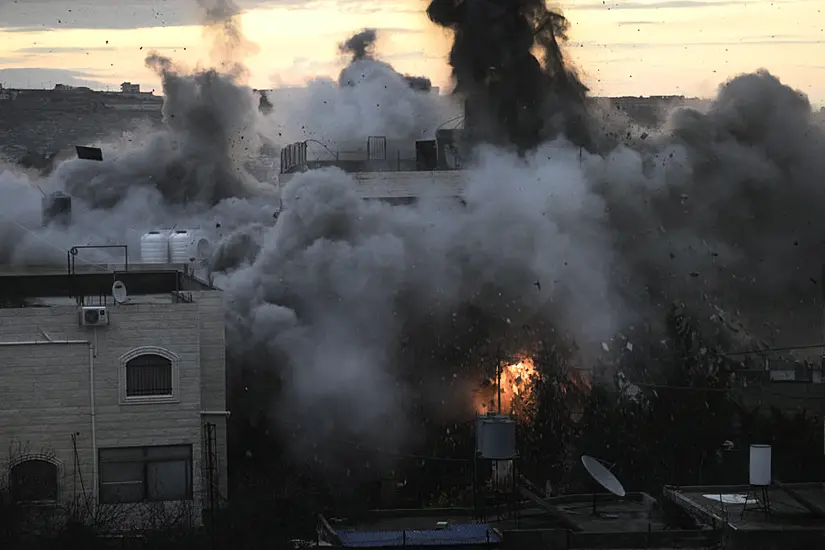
(148,375)
(34,480)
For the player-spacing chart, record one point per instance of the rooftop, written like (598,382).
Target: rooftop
(22,286)
(635,521)
(792,506)
(634,512)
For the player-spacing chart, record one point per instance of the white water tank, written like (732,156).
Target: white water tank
(188,246)
(154,247)
(496,437)
(760,465)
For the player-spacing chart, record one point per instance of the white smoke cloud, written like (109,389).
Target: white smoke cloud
(381,103)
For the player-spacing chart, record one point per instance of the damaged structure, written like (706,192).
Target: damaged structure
(386,170)
(112,387)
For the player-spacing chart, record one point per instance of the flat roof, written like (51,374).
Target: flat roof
(630,522)
(22,283)
(793,506)
(634,512)
(462,534)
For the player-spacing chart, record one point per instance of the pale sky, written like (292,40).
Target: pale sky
(621,47)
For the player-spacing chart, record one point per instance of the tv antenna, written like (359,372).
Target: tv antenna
(603,476)
(119,292)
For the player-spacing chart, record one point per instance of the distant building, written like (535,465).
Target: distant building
(129,88)
(67,88)
(107,402)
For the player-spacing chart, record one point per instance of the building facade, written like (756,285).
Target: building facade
(399,172)
(126,409)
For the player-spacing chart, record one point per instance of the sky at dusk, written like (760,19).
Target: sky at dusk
(632,47)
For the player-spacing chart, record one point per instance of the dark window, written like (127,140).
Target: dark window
(148,375)
(136,474)
(34,480)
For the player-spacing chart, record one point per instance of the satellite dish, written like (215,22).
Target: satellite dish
(602,475)
(119,292)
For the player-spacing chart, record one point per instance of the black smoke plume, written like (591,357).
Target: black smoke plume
(361,46)
(511,96)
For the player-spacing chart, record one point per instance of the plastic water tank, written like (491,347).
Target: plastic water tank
(760,465)
(181,242)
(187,246)
(154,247)
(496,437)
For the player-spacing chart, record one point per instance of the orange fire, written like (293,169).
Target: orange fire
(516,382)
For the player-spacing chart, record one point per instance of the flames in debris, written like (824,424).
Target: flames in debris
(518,386)
(516,381)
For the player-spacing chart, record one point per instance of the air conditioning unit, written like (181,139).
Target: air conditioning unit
(93,316)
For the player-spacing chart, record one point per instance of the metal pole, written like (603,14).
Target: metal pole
(74,476)
(498,378)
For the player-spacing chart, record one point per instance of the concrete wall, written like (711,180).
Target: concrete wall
(393,185)
(41,406)
(518,539)
(213,375)
(46,392)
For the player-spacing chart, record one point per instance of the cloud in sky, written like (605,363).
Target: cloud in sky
(661,4)
(83,49)
(766,41)
(638,23)
(65,49)
(47,78)
(40,15)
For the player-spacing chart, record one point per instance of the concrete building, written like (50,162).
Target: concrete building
(113,395)
(397,172)
(129,88)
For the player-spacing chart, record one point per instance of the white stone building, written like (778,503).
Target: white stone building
(108,403)
(396,172)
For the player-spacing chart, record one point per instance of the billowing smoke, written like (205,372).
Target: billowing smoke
(359,299)
(511,96)
(360,45)
(362,48)
(370,98)
(367,311)
(222,27)
(728,204)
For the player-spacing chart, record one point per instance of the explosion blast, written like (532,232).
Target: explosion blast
(365,311)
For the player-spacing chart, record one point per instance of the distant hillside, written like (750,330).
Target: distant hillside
(47,121)
(43,122)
